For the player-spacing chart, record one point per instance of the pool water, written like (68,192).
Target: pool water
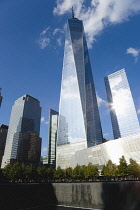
(53,207)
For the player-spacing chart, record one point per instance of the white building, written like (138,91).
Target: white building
(71,155)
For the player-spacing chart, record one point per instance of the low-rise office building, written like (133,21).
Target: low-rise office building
(73,154)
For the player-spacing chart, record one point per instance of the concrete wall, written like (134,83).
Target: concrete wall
(73,154)
(64,153)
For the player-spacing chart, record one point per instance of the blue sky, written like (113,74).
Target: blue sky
(32,43)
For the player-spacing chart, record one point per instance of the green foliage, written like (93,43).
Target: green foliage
(133,168)
(15,172)
(23,172)
(31,173)
(59,173)
(78,172)
(122,168)
(110,169)
(69,173)
(50,173)
(90,171)
(42,174)
(7,171)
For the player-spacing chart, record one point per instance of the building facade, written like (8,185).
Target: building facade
(122,109)
(29,148)
(24,120)
(79,119)
(99,155)
(44,160)
(53,125)
(3,136)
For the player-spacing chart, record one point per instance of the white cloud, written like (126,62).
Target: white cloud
(43,42)
(134,52)
(138,111)
(47,36)
(100,101)
(44,149)
(64,6)
(56,30)
(100,14)
(42,119)
(45,31)
(59,41)
(59,33)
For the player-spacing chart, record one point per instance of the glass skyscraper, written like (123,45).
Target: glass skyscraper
(24,120)
(53,125)
(3,136)
(122,110)
(79,119)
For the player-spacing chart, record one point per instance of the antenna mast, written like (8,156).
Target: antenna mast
(72,13)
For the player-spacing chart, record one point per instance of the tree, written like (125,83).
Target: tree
(69,172)
(110,169)
(50,173)
(133,168)
(7,172)
(78,172)
(23,172)
(16,172)
(90,171)
(41,173)
(31,173)
(122,168)
(59,173)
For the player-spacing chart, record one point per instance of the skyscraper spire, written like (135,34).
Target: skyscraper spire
(0,97)
(72,13)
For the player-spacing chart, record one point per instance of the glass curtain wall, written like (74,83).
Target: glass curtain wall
(122,109)
(78,110)
(53,125)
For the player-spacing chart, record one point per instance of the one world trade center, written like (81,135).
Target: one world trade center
(79,119)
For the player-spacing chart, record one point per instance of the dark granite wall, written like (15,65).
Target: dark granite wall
(123,195)
(21,196)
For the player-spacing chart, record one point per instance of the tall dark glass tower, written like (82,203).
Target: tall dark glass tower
(79,119)
(23,142)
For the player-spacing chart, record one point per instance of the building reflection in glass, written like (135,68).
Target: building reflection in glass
(79,119)
(53,125)
(122,110)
